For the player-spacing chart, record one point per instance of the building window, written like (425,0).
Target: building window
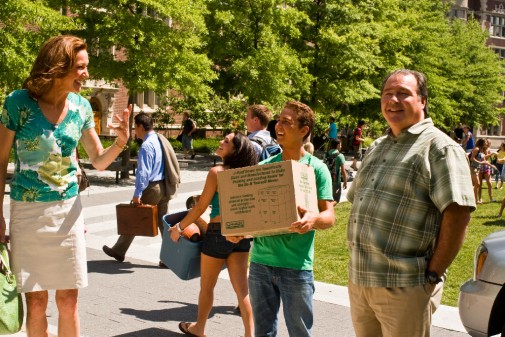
(497,27)
(500,52)
(458,13)
(492,130)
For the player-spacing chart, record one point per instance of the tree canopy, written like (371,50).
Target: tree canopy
(218,56)
(24,26)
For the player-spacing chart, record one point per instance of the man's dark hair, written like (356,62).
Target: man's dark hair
(244,153)
(361,122)
(145,120)
(304,115)
(262,113)
(334,143)
(422,84)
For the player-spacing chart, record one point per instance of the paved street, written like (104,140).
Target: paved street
(136,298)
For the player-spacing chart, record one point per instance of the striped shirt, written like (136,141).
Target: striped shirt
(398,196)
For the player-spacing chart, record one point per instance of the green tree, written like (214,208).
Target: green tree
(478,76)
(247,43)
(465,77)
(352,45)
(159,43)
(24,26)
(348,45)
(158,46)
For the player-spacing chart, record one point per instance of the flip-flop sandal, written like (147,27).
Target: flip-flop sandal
(184,327)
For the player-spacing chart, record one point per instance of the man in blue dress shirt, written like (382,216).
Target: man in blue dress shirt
(149,183)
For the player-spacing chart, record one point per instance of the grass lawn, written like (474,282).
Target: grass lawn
(331,255)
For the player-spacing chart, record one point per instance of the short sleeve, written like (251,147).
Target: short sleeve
(10,114)
(340,160)
(89,121)
(323,181)
(450,178)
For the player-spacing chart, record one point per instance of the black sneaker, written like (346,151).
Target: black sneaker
(192,156)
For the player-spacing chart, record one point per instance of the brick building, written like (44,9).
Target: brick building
(108,99)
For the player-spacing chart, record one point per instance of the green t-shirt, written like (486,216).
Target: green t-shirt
(338,162)
(293,251)
(44,153)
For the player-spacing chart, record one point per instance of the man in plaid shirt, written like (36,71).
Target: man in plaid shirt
(411,203)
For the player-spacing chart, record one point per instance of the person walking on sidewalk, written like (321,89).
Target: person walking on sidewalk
(44,123)
(411,203)
(188,128)
(357,142)
(156,179)
(281,265)
(236,151)
(336,164)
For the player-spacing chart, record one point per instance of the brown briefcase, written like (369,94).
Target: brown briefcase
(138,220)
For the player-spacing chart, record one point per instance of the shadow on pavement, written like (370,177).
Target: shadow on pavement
(151,332)
(184,313)
(112,267)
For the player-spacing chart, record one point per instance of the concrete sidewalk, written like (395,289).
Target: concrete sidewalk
(137,298)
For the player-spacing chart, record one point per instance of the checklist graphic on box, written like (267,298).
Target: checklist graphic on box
(274,203)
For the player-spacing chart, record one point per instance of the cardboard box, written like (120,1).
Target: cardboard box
(183,257)
(262,200)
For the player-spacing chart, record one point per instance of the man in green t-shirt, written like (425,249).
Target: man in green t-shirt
(335,161)
(281,265)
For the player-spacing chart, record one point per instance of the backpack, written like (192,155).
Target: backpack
(330,161)
(269,149)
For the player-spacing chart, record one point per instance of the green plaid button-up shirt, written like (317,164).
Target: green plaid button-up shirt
(401,189)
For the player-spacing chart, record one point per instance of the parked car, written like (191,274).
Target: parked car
(482,298)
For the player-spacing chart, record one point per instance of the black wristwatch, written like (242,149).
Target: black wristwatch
(432,277)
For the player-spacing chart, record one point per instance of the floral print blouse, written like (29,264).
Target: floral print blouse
(45,160)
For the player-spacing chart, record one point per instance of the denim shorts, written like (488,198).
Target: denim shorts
(215,245)
(187,142)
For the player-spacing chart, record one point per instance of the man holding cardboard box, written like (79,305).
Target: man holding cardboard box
(281,265)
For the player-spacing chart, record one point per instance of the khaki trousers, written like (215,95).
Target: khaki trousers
(393,312)
(154,194)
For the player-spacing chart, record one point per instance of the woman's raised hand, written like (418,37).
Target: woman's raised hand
(122,129)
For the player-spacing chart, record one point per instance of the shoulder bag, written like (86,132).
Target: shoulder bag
(82,178)
(11,304)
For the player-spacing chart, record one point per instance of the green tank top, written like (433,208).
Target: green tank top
(214,205)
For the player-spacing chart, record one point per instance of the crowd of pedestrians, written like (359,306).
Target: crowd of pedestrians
(400,246)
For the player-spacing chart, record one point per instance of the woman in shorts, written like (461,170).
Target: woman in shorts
(477,161)
(236,151)
(485,172)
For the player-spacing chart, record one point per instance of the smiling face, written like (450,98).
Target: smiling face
(226,147)
(289,133)
(401,105)
(72,82)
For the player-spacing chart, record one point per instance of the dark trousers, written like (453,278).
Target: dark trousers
(154,194)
